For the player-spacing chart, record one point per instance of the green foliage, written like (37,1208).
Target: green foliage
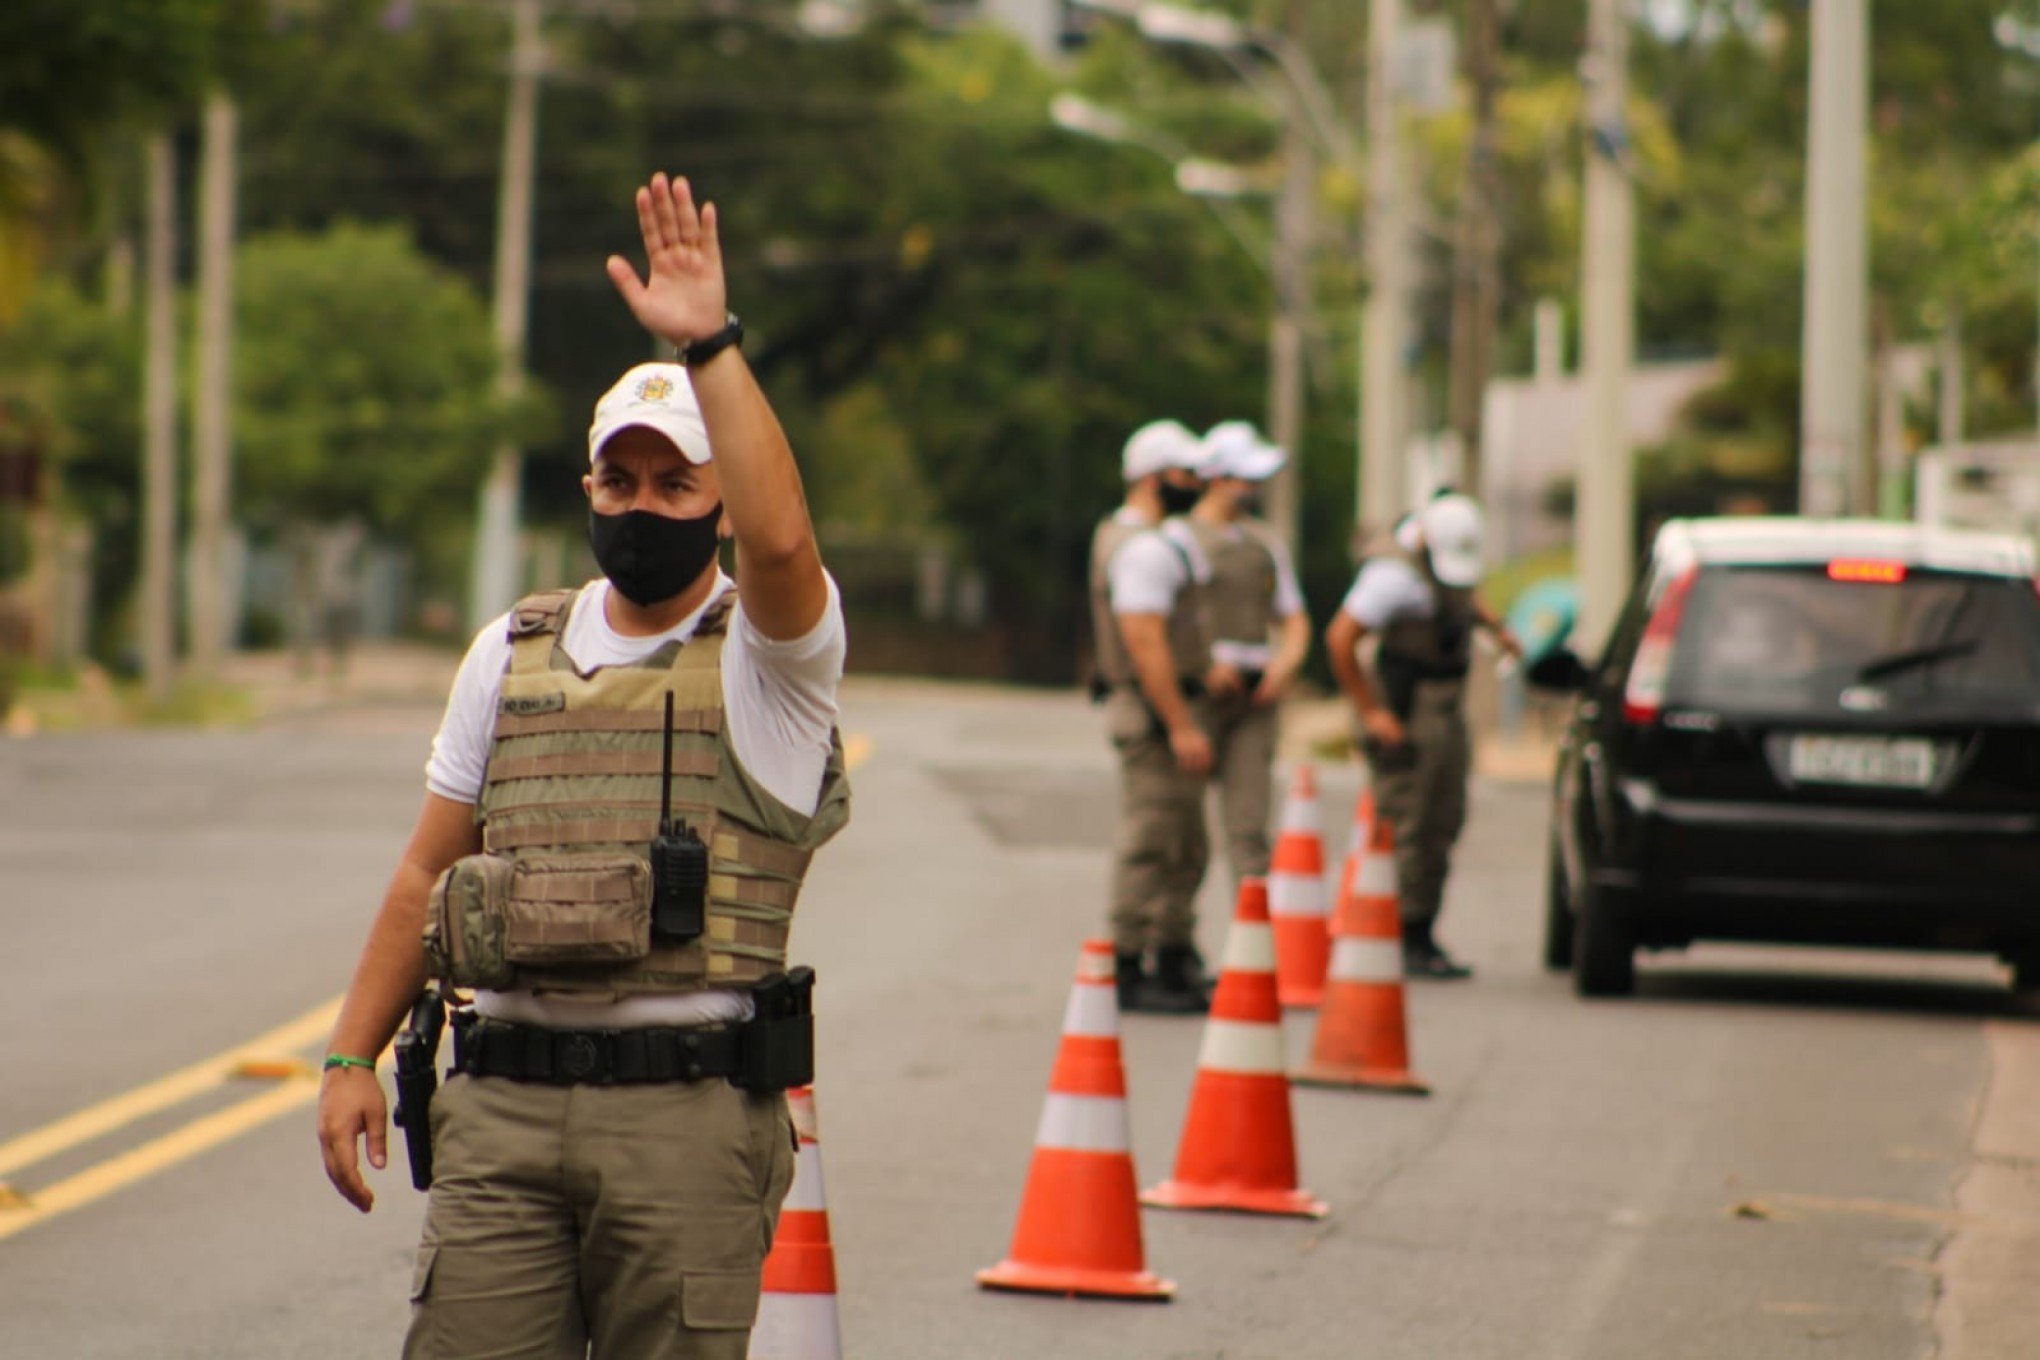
(364,379)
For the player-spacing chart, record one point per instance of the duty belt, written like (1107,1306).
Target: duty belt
(605,1057)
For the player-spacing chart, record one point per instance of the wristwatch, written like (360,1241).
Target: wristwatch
(698,352)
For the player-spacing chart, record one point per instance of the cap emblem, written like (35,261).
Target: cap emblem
(657,387)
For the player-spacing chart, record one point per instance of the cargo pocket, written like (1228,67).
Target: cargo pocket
(464,923)
(421,1272)
(719,1300)
(1128,719)
(578,910)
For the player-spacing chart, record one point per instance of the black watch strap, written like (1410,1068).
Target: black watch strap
(708,346)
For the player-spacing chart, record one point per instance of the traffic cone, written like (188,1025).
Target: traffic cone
(1239,1143)
(1079,1226)
(797,1308)
(1362,1037)
(1296,897)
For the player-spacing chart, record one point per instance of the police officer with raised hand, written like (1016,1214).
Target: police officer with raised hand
(613,1145)
(1260,634)
(1417,596)
(1153,652)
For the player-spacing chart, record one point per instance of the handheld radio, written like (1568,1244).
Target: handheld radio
(679,861)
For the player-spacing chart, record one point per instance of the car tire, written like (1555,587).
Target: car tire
(1558,913)
(1603,946)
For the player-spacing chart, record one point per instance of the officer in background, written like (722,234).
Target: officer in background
(603,1185)
(1153,652)
(1260,635)
(1417,597)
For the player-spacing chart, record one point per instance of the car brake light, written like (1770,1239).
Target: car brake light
(1644,695)
(1873,572)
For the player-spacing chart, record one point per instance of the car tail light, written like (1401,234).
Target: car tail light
(1644,695)
(1866,570)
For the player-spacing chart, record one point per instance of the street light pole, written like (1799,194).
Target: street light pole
(1294,227)
(1604,514)
(211,444)
(1834,343)
(1384,320)
(156,611)
(494,584)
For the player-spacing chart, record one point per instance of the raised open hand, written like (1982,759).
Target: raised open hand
(684,299)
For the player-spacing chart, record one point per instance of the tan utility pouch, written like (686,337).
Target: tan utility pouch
(489,916)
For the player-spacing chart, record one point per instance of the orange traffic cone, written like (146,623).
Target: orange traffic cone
(1079,1226)
(1362,1037)
(797,1309)
(1296,897)
(1239,1142)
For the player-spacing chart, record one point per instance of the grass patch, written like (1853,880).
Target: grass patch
(1506,584)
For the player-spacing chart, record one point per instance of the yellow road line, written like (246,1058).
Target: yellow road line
(179,1145)
(161,1094)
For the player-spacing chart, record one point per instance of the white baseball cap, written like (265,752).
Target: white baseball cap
(1234,448)
(658,397)
(1453,532)
(1158,446)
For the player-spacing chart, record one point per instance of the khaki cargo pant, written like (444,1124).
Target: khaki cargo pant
(1420,787)
(1243,753)
(613,1222)
(1161,850)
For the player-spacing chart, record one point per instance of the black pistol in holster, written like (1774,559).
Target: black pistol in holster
(776,1047)
(418,1078)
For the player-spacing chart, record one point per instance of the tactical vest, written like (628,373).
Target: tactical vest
(560,898)
(1240,601)
(1188,628)
(1441,646)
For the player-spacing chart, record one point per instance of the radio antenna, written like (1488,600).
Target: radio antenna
(666,774)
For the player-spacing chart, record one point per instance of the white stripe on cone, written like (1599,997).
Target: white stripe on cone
(805,1194)
(1361,960)
(1095,967)
(1250,948)
(1082,1123)
(1375,877)
(1241,1046)
(1093,1012)
(1295,895)
(796,1327)
(1298,818)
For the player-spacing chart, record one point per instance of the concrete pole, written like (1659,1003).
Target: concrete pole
(1835,344)
(1950,424)
(212,455)
(1890,422)
(1294,211)
(1605,509)
(156,605)
(495,585)
(1476,251)
(1384,324)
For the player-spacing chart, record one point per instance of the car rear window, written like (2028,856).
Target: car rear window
(1792,640)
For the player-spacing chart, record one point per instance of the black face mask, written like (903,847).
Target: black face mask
(648,557)
(1177,500)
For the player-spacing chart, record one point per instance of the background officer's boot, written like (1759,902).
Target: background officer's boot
(1128,978)
(1179,986)
(1423,957)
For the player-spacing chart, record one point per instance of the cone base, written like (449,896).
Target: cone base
(1072,1282)
(1242,1199)
(1390,1080)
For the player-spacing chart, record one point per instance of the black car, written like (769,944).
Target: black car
(1802,731)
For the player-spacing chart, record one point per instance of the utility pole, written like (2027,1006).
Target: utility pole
(1294,210)
(495,584)
(1476,273)
(212,458)
(1834,345)
(156,608)
(1604,516)
(1384,322)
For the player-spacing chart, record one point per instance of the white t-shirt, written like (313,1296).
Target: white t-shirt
(779,705)
(1151,569)
(1388,590)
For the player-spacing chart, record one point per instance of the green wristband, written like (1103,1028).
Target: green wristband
(334,1060)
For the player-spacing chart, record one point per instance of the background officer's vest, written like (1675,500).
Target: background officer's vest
(1436,648)
(1240,600)
(569,807)
(1188,631)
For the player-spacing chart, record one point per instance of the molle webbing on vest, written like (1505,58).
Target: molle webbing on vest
(573,776)
(1240,599)
(1439,647)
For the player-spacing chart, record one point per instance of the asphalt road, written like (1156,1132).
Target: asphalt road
(1764,1154)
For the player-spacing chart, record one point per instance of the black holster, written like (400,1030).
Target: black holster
(776,1047)
(418,1078)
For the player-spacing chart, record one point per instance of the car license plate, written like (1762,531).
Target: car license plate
(1873,762)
